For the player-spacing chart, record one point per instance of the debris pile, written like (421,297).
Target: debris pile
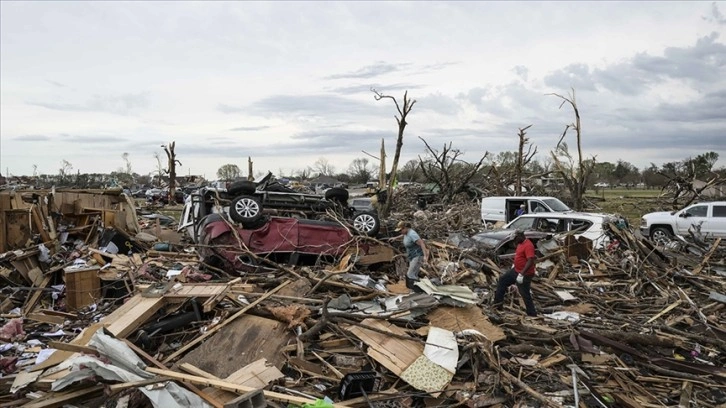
(113,315)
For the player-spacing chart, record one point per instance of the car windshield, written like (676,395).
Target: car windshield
(522,223)
(556,205)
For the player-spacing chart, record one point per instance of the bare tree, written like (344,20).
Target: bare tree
(171,162)
(401,120)
(35,170)
(159,169)
(360,170)
(65,169)
(323,167)
(574,176)
(228,172)
(523,158)
(127,163)
(447,170)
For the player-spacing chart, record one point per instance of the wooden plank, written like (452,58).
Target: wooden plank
(36,296)
(60,356)
(226,385)
(38,222)
(132,314)
(59,399)
(456,319)
(244,341)
(39,317)
(666,310)
(223,324)
(395,354)
(212,302)
(708,255)
(257,375)
(76,348)
(114,389)
(215,402)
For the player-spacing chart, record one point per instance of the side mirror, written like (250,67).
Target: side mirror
(684,214)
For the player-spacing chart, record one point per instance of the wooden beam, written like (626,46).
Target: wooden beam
(76,348)
(59,399)
(209,398)
(223,324)
(116,388)
(710,252)
(225,385)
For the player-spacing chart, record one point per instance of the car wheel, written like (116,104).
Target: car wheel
(337,194)
(367,223)
(661,236)
(246,210)
(242,187)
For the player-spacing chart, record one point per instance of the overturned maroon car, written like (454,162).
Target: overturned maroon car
(280,239)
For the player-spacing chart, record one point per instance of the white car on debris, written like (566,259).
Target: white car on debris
(707,218)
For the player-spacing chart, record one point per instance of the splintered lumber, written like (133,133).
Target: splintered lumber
(393,353)
(666,310)
(245,340)
(61,355)
(211,399)
(116,388)
(223,324)
(456,319)
(256,375)
(708,256)
(58,399)
(132,314)
(226,385)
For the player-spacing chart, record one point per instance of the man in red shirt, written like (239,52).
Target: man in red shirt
(521,274)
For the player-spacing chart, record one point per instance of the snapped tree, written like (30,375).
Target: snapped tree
(574,175)
(403,112)
(172,162)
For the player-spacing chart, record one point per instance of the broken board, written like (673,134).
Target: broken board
(457,319)
(394,353)
(244,341)
(132,314)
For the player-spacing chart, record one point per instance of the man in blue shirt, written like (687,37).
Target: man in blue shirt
(415,250)
(521,210)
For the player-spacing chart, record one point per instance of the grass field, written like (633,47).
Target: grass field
(631,203)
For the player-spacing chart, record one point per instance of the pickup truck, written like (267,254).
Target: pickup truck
(663,226)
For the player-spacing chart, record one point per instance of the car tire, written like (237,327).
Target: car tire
(660,235)
(367,222)
(337,194)
(246,210)
(242,187)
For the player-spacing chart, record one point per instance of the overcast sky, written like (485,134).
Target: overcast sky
(287,83)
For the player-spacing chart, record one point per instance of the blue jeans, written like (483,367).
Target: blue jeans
(508,279)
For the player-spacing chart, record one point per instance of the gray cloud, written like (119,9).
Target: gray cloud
(327,106)
(576,76)
(363,88)
(521,71)
(439,103)
(122,104)
(702,63)
(32,138)
(54,83)
(248,128)
(716,16)
(709,108)
(369,71)
(224,108)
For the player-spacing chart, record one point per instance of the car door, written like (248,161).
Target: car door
(717,223)
(694,215)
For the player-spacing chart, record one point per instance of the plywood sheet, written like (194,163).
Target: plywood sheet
(457,319)
(395,354)
(244,341)
(132,314)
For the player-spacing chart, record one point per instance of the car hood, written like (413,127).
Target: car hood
(659,214)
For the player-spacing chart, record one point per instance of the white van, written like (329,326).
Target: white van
(495,209)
